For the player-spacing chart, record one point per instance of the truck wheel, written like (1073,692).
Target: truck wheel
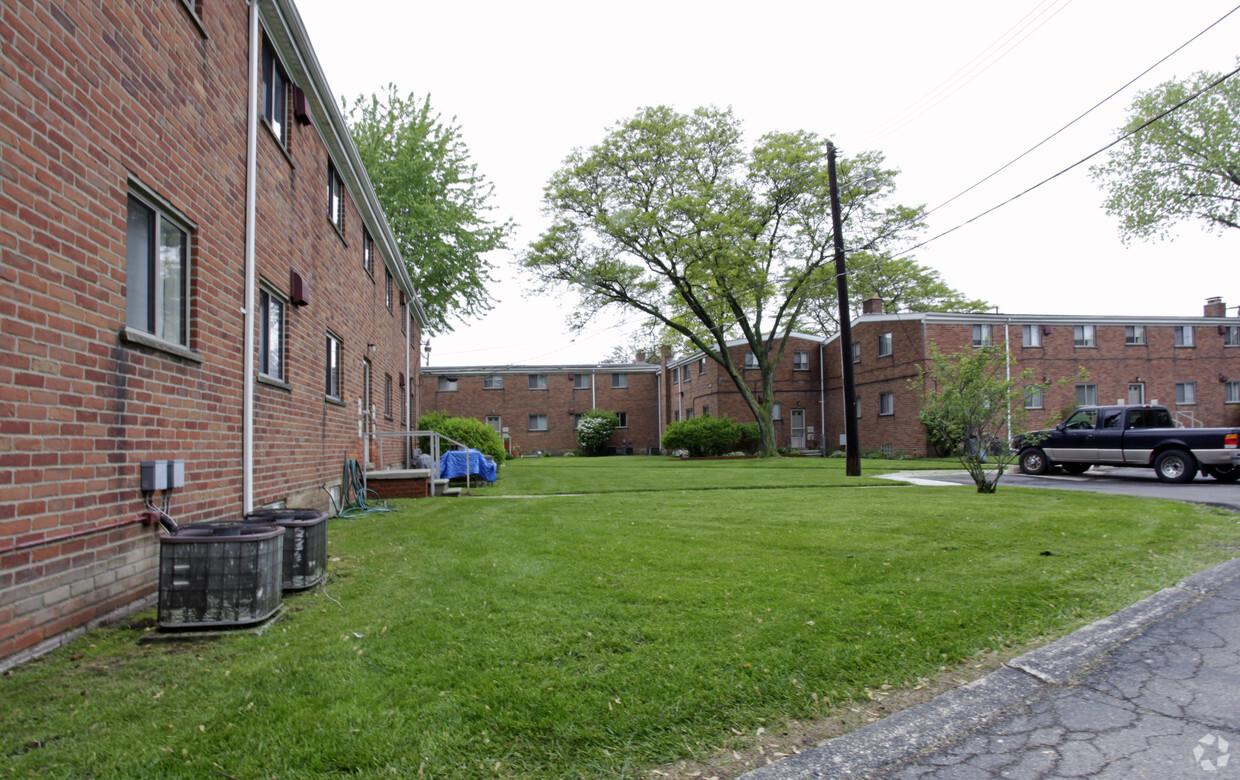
(1175,466)
(1223,473)
(1075,468)
(1033,461)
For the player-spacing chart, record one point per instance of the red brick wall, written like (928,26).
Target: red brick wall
(90,102)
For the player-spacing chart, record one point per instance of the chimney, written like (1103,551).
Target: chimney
(641,356)
(1215,307)
(872,306)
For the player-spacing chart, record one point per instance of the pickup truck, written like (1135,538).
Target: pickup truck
(1131,435)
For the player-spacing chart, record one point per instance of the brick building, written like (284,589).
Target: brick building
(195,269)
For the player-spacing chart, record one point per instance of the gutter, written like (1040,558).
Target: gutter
(251,188)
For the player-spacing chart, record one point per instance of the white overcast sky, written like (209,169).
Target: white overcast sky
(948,91)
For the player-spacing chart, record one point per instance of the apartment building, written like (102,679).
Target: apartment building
(196,270)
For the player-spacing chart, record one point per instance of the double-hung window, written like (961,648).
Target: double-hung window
(493,382)
(751,360)
(619,381)
(1231,335)
(884,344)
(1087,395)
(1232,390)
(1184,335)
(368,252)
(335,198)
(622,419)
(331,387)
(156,273)
(538,422)
(538,381)
(1031,335)
(275,94)
(581,381)
(1186,392)
(886,404)
(387,288)
(981,336)
(800,360)
(1134,335)
(270,334)
(1083,336)
(1033,397)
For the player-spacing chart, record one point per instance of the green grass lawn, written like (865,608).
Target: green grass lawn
(601,635)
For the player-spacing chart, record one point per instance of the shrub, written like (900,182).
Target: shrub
(751,437)
(468,431)
(703,437)
(595,430)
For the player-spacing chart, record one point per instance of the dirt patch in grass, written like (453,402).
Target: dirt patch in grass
(794,737)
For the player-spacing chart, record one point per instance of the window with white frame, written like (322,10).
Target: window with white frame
(1033,397)
(387,288)
(1031,335)
(581,381)
(538,381)
(335,197)
(686,373)
(1232,392)
(447,384)
(1183,335)
(1087,395)
(856,350)
(493,382)
(884,344)
(275,94)
(368,252)
(751,360)
(886,404)
(1231,335)
(270,334)
(619,381)
(800,360)
(331,385)
(538,422)
(982,336)
(1083,336)
(387,396)
(157,271)
(1134,335)
(577,418)
(777,412)
(623,418)
(701,366)
(1186,393)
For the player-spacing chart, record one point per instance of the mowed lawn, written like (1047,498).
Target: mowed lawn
(602,634)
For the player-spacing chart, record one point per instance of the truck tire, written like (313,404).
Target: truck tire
(1223,473)
(1175,466)
(1034,461)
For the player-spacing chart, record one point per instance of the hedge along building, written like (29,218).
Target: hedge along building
(196,269)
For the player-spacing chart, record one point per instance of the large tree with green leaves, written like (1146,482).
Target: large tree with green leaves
(436,202)
(673,217)
(1179,158)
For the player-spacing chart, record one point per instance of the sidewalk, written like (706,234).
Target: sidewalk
(1152,691)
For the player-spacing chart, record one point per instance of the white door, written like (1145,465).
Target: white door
(798,430)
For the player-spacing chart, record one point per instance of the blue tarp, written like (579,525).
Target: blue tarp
(452,464)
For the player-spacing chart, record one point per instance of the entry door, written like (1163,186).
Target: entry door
(1136,393)
(798,429)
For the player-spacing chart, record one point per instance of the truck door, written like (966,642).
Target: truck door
(1076,439)
(1109,436)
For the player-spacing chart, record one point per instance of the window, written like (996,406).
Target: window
(1186,392)
(1087,395)
(688,414)
(581,381)
(335,198)
(884,344)
(1031,335)
(270,335)
(538,422)
(387,288)
(1184,335)
(619,381)
(705,410)
(275,94)
(624,419)
(1134,335)
(686,372)
(493,382)
(1083,336)
(368,252)
(366,384)
(1033,398)
(701,366)
(387,396)
(538,381)
(886,404)
(982,336)
(777,412)
(800,361)
(1232,392)
(751,360)
(447,384)
(1231,335)
(331,387)
(403,413)
(856,348)
(156,274)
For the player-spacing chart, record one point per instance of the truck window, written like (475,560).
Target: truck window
(1082,420)
(1113,419)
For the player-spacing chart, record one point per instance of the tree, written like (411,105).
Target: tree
(595,430)
(901,284)
(436,202)
(670,216)
(971,405)
(1185,165)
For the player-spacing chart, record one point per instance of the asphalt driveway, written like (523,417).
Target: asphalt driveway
(1122,481)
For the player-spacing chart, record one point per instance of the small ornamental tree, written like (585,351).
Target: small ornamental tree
(595,430)
(702,437)
(472,433)
(973,407)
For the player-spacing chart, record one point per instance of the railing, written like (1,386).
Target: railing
(1186,419)
(435,445)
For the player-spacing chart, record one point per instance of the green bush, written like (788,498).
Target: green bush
(468,431)
(751,437)
(595,430)
(703,437)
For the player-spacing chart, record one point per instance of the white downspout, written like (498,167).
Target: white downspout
(247,348)
(407,401)
(593,391)
(822,400)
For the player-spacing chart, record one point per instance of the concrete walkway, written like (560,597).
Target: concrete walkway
(1152,691)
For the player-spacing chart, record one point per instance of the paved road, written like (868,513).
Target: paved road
(1152,691)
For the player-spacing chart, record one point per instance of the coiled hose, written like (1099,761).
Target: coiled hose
(353,493)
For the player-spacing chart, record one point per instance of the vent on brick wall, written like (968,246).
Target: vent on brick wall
(301,111)
(298,289)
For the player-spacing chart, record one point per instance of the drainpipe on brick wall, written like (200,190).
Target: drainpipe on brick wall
(593,391)
(1007,362)
(247,352)
(822,399)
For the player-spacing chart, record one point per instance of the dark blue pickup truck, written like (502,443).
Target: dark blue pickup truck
(1132,435)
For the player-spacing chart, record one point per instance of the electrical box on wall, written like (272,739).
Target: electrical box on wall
(162,475)
(176,474)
